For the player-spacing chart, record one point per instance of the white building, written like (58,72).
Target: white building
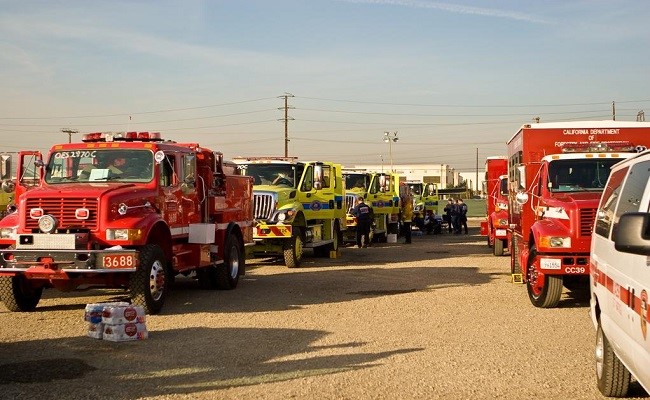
(472,182)
(441,174)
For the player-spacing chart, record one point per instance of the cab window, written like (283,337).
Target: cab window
(189,166)
(167,170)
(605,215)
(325,179)
(308,181)
(632,191)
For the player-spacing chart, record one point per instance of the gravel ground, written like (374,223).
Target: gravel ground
(437,318)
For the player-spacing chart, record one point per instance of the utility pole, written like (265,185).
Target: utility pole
(640,116)
(613,111)
(476,171)
(286,121)
(69,132)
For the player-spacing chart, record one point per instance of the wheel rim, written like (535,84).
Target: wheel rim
(600,353)
(535,281)
(234,262)
(157,280)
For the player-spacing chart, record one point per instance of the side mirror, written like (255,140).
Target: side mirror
(159,156)
(521,197)
(522,176)
(631,234)
(8,186)
(5,166)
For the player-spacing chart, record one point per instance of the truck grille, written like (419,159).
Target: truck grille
(263,205)
(64,211)
(587,218)
(349,202)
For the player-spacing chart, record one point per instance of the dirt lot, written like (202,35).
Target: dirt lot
(434,319)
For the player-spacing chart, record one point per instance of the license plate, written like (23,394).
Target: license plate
(550,263)
(501,232)
(119,261)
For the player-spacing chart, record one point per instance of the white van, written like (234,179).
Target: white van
(620,278)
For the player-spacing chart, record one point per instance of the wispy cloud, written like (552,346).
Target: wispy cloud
(26,31)
(454,8)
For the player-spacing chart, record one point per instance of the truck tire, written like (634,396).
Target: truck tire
(337,237)
(515,268)
(498,247)
(227,274)
(149,283)
(612,376)
(324,251)
(293,251)
(489,236)
(544,291)
(224,276)
(18,295)
(381,237)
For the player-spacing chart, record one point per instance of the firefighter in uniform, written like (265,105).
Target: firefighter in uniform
(364,214)
(407,211)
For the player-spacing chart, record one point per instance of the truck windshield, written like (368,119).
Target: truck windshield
(356,181)
(90,165)
(273,174)
(578,175)
(503,186)
(416,188)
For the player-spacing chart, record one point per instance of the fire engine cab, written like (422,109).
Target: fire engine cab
(381,191)
(496,224)
(297,205)
(557,172)
(125,210)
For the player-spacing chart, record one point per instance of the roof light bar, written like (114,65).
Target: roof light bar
(121,136)
(598,147)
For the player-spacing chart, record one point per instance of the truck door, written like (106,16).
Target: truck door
(189,181)
(28,171)
(318,191)
(632,272)
(382,192)
(613,267)
(177,181)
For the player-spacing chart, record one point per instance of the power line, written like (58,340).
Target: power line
(471,106)
(143,112)
(445,115)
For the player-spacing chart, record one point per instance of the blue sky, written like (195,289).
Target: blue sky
(449,77)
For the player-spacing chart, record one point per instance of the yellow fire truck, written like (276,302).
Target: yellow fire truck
(297,205)
(425,197)
(381,191)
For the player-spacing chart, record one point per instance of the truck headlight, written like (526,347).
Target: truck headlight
(555,241)
(7,233)
(283,215)
(47,224)
(124,234)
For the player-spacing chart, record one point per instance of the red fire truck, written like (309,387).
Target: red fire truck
(557,172)
(496,224)
(124,210)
